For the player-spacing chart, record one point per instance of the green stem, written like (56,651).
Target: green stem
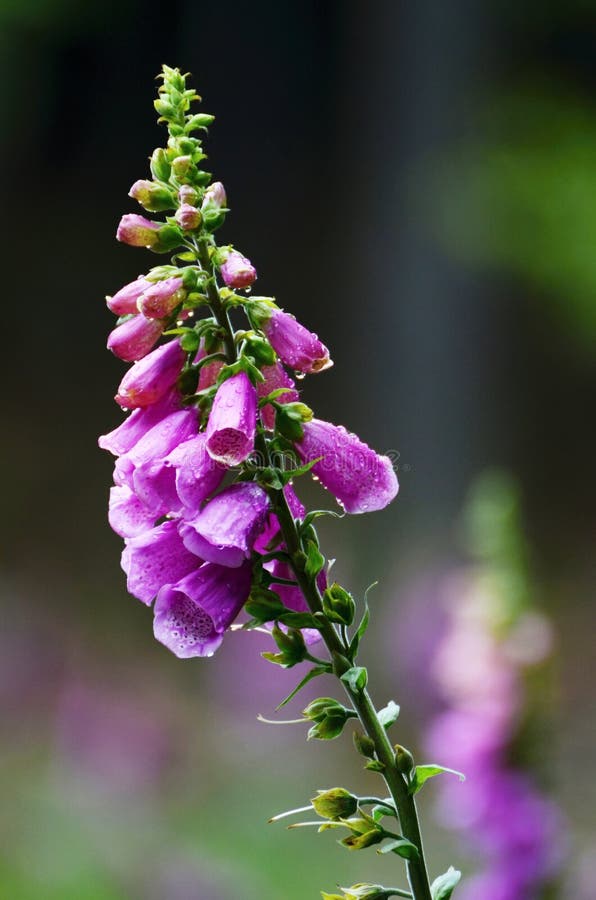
(361,701)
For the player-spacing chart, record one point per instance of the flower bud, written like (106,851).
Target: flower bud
(187,194)
(329,717)
(181,166)
(134,338)
(296,346)
(237,271)
(137,231)
(161,298)
(152,377)
(215,196)
(404,759)
(361,840)
(200,120)
(152,197)
(160,166)
(338,605)
(363,891)
(124,301)
(188,217)
(261,350)
(336,803)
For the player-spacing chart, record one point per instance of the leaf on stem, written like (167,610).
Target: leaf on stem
(421,775)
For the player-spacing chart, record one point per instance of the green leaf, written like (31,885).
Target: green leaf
(356,678)
(421,775)
(313,673)
(375,765)
(443,886)
(314,560)
(381,810)
(298,620)
(402,846)
(388,715)
(361,630)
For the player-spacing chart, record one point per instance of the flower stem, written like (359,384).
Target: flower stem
(336,644)
(362,703)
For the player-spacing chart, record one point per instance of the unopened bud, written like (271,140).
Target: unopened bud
(404,759)
(160,166)
(152,197)
(336,803)
(162,298)
(261,350)
(187,194)
(338,605)
(181,166)
(215,196)
(137,231)
(237,271)
(188,217)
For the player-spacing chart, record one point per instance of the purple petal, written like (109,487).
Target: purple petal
(148,380)
(192,615)
(154,559)
(127,516)
(296,346)
(226,528)
(125,436)
(124,301)
(232,421)
(361,479)
(134,338)
(276,377)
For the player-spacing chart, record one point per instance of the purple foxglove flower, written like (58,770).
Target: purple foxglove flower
(232,421)
(361,480)
(225,530)
(154,559)
(137,424)
(127,516)
(155,444)
(124,301)
(180,481)
(237,271)
(276,377)
(138,231)
(160,299)
(134,338)
(296,346)
(153,376)
(192,615)
(215,195)
(188,217)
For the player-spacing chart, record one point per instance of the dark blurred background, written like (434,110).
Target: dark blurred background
(417,182)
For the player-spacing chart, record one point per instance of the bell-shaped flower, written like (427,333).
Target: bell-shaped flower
(156,443)
(124,301)
(180,481)
(276,378)
(361,479)
(237,271)
(225,530)
(138,231)
(192,615)
(232,421)
(156,558)
(127,515)
(137,424)
(160,299)
(135,337)
(149,379)
(296,346)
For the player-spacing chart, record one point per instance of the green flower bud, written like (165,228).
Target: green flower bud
(261,350)
(202,120)
(289,418)
(359,841)
(291,644)
(336,803)
(152,197)
(404,759)
(321,707)
(364,745)
(181,166)
(328,728)
(160,166)
(338,605)
(363,891)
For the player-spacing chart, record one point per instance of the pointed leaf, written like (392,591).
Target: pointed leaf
(355,643)
(421,775)
(402,846)
(313,673)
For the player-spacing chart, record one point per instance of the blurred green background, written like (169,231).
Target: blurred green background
(417,182)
